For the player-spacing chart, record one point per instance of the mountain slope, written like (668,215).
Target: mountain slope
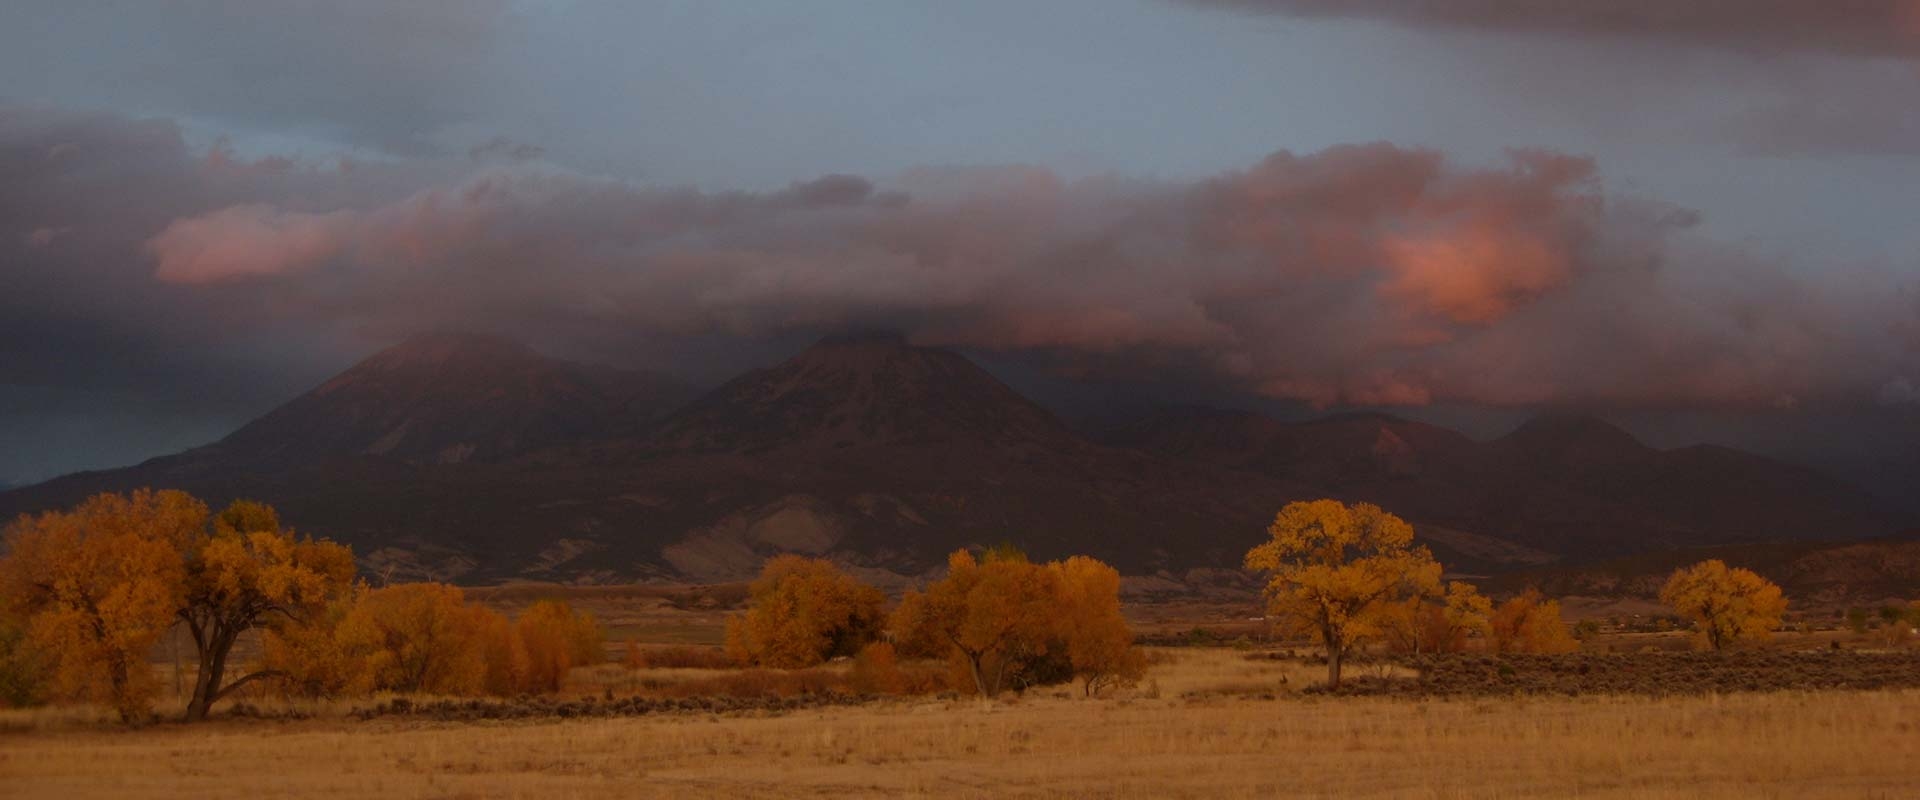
(450,398)
(460,458)
(1574,486)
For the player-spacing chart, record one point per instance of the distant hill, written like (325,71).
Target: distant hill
(461,458)
(1813,574)
(1571,486)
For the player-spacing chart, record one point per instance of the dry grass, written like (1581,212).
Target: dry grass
(1206,734)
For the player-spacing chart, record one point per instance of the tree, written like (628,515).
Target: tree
(1727,606)
(555,639)
(994,617)
(1425,624)
(98,586)
(1530,623)
(802,611)
(23,670)
(419,637)
(1097,641)
(1337,572)
(321,655)
(247,572)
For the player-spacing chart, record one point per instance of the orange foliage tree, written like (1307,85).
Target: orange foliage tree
(993,616)
(418,637)
(98,586)
(1338,572)
(426,637)
(802,611)
(23,673)
(319,656)
(1098,643)
(1007,621)
(1530,623)
(555,639)
(246,573)
(1443,624)
(1727,606)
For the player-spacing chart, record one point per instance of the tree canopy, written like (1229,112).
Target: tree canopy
(1727,605)
(1338,571)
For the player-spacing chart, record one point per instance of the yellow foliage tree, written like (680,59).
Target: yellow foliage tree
(802,611)
(1530,623)
(246,573)
(555,639)
(1727,606)
(98,586)
(994,617)
(1098,643)
(1338,572)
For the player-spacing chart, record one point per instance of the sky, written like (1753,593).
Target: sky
(1701,220)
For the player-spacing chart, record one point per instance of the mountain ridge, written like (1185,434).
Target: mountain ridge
(885,456)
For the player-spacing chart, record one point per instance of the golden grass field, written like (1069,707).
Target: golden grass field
(1200,727)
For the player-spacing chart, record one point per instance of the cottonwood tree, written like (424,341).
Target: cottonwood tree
(1531,623)
(418,637)
(23,670)
(1727,606)
(1006,621)
(1098,643)
(994,616)
(245,573)
(1337,571)
(1442,624)
(802,611)
(555,639)
(98,586)
(320,655)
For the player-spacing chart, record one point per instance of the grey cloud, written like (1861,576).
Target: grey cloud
(1866,28)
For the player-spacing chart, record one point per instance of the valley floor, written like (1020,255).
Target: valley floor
(1787,744)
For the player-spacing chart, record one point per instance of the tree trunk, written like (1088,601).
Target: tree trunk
(1334,655)
(213,670)
(979,678)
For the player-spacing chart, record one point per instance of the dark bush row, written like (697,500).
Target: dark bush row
(1644,673)
(534,707)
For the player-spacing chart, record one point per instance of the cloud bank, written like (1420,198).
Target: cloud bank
(1861,28)
(1360,274)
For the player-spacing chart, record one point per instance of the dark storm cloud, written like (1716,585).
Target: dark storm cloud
(1370,274)
(1868,28)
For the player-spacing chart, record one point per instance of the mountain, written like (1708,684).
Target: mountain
(449,398)
(888,456)
(459,458)
(867,391)
(1568,486)
(1816,575)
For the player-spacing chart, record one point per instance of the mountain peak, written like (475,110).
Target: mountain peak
(1571,439)
(861,390)
(443,347)
(447,398)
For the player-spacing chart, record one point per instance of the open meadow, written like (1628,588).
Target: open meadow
(1207,722)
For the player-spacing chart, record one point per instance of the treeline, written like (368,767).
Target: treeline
(86,594)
